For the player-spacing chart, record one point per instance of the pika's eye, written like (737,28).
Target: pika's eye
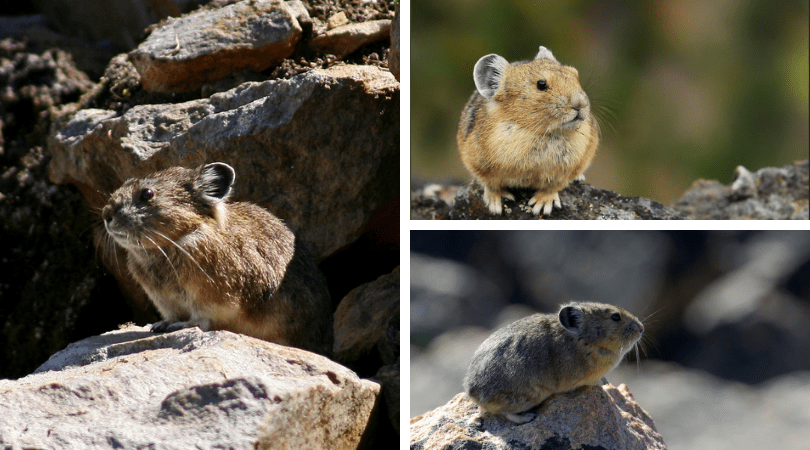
(542,85)
(146,195)
(616,317)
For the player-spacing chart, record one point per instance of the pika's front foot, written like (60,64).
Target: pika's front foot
(492,198)
(544,202)
(167,326)
(520,418)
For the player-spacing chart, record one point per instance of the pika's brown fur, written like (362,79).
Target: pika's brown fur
(522,364)
(217,265)
(528,125)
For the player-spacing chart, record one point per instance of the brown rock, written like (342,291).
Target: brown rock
(188,389)
(604,417)
(320,150)
(206,46)
(363,319)
(345,39)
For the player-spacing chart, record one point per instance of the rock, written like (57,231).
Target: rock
(579,201)
(393,57)
(206,46)
(320,150)
(593,417)
(337,20)
(363,320)
(345,39)
(770,193)
(188,389)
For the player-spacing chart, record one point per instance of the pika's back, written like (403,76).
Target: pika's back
(527,125)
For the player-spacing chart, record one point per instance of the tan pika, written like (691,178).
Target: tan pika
(522,364)
(217,265)
(528,125)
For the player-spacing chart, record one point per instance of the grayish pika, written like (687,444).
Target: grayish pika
(522,364)
(528,125)
(217,265)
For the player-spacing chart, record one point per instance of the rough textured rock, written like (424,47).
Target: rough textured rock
(367,336)
(393,57)
(769,193)
(606,418)
(208,45)
(188,389)
(324,178)
(345,39)
(363,320)
(579,201)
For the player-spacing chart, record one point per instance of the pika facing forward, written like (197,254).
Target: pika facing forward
(528,125)
(522,364)
(216,265)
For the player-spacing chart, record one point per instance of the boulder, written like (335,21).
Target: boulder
(593,417)
(208,45)
(131,388)
(345,39)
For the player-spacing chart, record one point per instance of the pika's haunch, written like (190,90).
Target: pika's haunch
(522,364)
(528,125)
(217,265)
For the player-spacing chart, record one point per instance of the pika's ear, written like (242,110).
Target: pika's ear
(571,319)
(545,53)
(215,181)
(487,74)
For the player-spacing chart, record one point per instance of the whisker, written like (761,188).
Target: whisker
(187,254)
(165,255)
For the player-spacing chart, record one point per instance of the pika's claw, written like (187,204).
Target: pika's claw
(493,200)
(545,203)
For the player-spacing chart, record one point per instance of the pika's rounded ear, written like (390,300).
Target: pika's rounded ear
(545,53)
(571,319)
(487,74)
(215,181)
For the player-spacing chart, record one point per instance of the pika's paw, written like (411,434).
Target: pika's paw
(520,418)
(493,200)
(543,203)
(167,326)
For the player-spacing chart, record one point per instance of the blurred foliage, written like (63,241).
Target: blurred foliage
(683,89)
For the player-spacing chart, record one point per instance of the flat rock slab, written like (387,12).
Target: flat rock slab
(206,46)
(188,389)
(319,150)
(579,201)
(345,39)
(593,417)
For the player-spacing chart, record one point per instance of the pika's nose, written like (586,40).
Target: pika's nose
(107,213)
(579,100)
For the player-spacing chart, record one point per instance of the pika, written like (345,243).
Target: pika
(522,364)
(528,125)
(217,265)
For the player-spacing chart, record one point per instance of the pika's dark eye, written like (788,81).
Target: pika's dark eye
(542,85)
(146,195)
(616,317)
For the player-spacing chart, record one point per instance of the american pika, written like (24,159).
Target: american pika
(217,265)
(522,364)
(528,125)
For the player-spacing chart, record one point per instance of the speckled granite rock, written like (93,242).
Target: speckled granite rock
(604,418)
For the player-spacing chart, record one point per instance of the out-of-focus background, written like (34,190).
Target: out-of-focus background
(682,89)
(726,360)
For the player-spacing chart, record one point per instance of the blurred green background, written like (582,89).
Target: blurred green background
(682,89)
